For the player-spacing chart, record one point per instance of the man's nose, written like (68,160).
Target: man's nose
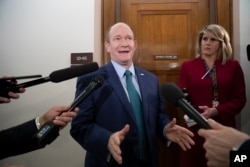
(124,42)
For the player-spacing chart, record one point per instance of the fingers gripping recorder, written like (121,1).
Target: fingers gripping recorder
(48,132)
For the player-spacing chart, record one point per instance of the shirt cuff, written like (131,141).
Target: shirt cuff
(38,125)
(236,147)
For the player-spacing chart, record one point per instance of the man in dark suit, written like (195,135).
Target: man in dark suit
(106,125)
(220,140)
(19,139)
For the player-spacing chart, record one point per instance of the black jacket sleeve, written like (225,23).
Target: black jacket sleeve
(245,146)
(18,140)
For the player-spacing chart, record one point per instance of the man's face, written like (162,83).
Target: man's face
(121,44)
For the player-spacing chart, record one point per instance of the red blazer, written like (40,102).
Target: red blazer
(231,97)
(231,88)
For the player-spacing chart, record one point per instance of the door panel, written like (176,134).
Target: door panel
(165,36)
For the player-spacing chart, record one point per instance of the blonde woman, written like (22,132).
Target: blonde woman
(215,86)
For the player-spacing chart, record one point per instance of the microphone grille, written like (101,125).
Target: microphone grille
(99,79)
(171,93)
(71,72)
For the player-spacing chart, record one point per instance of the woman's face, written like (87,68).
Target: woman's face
(209,45)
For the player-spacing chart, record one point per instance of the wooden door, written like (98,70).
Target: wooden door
(166,32)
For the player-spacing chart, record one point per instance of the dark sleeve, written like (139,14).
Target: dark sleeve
(18,140)
(245,146)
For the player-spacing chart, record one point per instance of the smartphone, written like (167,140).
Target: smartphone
(21,77)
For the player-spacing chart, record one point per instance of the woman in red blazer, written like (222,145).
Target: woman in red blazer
(215,85)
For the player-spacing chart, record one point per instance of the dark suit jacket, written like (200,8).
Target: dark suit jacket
(18,140)
(245,146)
(107,110)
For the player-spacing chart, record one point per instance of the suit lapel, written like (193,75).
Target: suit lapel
(118,88)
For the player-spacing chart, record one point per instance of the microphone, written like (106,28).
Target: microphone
(21,77)
(248,52)
(56,76)
(49,131)
(94,83)
(175,96)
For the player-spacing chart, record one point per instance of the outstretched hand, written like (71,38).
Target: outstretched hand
(179,135)
(217,148)
(115,141)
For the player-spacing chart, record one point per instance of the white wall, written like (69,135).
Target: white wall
(37,37)
(241,36)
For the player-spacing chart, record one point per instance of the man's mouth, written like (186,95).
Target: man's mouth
(123,51)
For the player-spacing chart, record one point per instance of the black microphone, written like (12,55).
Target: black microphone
(56,76)
(49,131)
(248,52)
(175,96)
(21,77)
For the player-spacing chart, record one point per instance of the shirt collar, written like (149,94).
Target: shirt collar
(120,70)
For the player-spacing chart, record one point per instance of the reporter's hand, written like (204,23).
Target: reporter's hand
(65,118)
(12,95)
(219,141)
(58,115)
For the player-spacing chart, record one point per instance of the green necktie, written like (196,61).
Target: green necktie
(135,102)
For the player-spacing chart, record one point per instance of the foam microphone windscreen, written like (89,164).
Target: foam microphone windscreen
(71,72)
(172,93)
(248,52)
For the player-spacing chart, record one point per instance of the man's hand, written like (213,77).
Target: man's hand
(115,141)
(179,135)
